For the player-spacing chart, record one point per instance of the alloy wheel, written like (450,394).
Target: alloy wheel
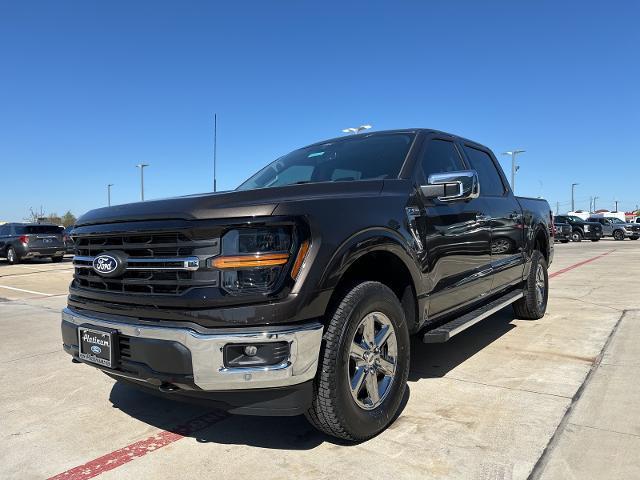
(372,360)
(11,256)
(540,285)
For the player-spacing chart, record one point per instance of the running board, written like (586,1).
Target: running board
(460,324)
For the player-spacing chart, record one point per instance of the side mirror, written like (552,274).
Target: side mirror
(450,186)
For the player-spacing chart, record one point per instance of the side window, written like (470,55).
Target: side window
(490,181)
(4,231)
(440,156)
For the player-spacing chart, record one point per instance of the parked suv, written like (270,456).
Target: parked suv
(581,229)
(297,292)
(616,228)
(22,241)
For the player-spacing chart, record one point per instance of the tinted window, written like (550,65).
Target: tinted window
(34,229)
(348,159)
(4,230)
(490,181)
(440,156)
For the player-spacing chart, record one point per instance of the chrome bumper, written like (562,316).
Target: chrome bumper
(209,372)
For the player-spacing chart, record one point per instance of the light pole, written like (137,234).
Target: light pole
(141,167)
(573,190)
(109,194)
(514,167)
(356,130)
(215,147)
(594,203)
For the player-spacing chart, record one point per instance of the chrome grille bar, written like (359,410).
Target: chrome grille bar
(176,263)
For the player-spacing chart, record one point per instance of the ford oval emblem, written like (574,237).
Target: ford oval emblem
(96,349)
(106,265)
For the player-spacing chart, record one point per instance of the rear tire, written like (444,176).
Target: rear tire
(633,238)
(564,241)
(536,292)
(57,259)
(12,256)
(355,352)
(595,239)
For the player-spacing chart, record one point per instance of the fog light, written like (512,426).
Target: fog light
(255,354)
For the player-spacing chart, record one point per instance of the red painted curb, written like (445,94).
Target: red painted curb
(139,449)
(579,264)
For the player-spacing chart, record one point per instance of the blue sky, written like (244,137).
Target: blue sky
(89,89)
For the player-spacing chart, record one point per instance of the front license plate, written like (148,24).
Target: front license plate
(96,346)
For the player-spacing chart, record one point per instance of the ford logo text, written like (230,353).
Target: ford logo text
(96,349)
(105,264)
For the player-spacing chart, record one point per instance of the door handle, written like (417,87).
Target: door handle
(480,217)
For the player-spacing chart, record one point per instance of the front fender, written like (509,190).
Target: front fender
(376,239)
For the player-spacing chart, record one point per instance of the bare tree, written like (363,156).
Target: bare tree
(35,216)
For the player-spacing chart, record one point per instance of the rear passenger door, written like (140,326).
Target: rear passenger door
(456,255)
(502,214)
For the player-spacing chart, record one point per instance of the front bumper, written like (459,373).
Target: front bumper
(193,361)
(592,234)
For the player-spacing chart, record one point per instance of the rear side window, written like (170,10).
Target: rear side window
(440,156)
(4,231)
(490,181)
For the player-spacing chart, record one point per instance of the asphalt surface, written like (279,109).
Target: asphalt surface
(555,398)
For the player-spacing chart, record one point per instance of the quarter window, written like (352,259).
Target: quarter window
(490,181)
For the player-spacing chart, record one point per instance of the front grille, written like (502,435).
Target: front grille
(635,228)
(152,245)
(157,264)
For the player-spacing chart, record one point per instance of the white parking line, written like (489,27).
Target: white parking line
(30,268)
(27,291)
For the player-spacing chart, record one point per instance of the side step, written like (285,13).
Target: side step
(457,325)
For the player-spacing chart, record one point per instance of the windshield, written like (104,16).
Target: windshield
(573,218)
(344,160)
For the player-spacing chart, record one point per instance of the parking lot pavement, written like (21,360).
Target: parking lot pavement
(507,399)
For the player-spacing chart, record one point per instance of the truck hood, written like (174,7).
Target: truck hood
(229,204)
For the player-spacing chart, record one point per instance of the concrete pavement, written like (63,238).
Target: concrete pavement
(507,399)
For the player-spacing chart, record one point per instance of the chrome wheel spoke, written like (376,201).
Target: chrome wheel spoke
(383,335)
(372,387)
(386,366)
(368,331)
(357,351)
(358,380)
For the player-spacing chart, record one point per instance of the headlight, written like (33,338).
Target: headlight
(253,260)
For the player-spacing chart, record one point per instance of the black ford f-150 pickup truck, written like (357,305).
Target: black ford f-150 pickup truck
(297,292)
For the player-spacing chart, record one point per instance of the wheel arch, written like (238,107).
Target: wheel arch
(376,255)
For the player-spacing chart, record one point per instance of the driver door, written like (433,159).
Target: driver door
(456,254)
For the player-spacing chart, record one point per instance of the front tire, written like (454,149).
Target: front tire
(576,236)
(633,238)
(536,292)
(364,365)
(595,239)
(57,259)
(12,256)
(618,235)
